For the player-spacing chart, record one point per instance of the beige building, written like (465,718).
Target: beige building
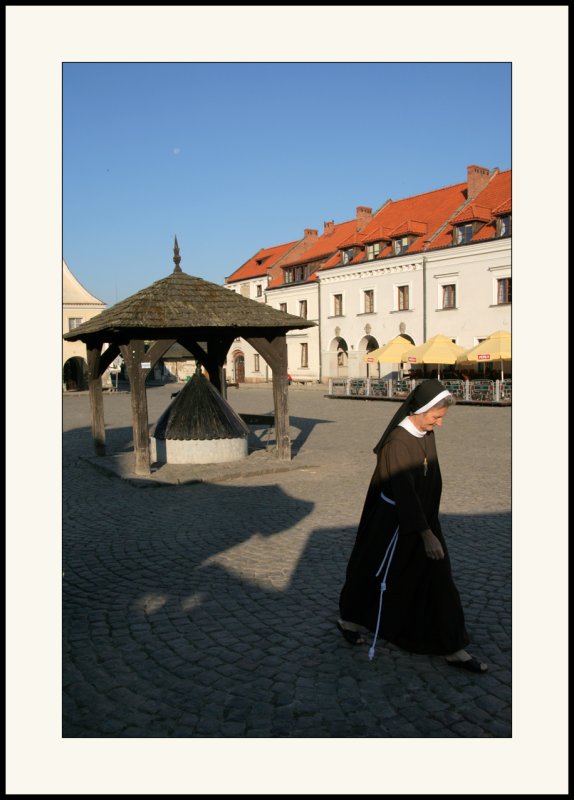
(78,306)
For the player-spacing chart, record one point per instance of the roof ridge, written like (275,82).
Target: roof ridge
(431,191)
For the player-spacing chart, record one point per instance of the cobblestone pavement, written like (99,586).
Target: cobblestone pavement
(203,603)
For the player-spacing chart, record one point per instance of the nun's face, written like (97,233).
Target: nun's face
(430,419)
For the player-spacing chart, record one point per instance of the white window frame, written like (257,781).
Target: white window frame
(373,251)
(447,279)
(334,304)
(497,274)
(403,243)
(304,355)
(362,303)
(458,234)
(396,287)
(503,278)
(306,309)
(442,287)
(74,322)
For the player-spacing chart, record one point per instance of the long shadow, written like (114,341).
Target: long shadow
(78,442)
(209,612)
(262,430)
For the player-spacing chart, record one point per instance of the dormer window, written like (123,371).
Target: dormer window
(373,250)
(296,274)
(463,233)
(505,225)
(348,255)
(401,245)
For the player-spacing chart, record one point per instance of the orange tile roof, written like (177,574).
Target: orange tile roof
(429,216)
(504,208)
(410,226)
(431,208)
(496,193)
(327,243)
(258,265)
(472,212)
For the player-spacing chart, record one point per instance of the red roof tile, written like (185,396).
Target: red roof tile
(260,263)
(472,212)
(496,193)
(430,208)
(410,226)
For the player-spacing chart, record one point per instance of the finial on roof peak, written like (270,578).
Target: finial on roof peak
(176,256)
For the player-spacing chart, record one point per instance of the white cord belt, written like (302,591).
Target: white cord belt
(387,558)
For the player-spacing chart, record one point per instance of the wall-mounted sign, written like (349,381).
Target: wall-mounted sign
(146,364)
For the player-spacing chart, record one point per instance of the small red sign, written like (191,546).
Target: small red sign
(483,356)
(412,359)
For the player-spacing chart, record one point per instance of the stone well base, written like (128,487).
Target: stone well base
(197,451)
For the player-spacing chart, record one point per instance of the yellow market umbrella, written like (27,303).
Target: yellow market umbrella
(496,347)
(390,353)
(437,350)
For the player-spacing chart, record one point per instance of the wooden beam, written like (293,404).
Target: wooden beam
(134,356)
(96,397)
(157,350)
(274,351)
(108,356)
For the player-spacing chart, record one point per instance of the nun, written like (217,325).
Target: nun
(398,581)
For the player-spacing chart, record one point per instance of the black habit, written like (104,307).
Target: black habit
(420,609)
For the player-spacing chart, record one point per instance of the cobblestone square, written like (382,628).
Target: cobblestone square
(203,604)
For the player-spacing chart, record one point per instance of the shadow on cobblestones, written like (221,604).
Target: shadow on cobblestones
(209,609)
(209,612)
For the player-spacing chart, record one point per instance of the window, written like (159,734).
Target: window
(73,322)
(348,255)
(504,293)
(283,307)
(256,362)
(373,250)
(505,225)
(259,290)
(338,305)
(298,273)
(401,245)
(463,233)
(369,301)
(403,298)
(303,309)
(304,354)
(449,296)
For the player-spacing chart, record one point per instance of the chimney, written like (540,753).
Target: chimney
(310,233)
(329,227)
(364,216)
(476,180)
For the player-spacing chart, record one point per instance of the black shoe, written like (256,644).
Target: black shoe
(353,637)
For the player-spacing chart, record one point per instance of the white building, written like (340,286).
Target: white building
(439,262)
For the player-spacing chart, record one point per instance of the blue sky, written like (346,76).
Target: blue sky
(232,157)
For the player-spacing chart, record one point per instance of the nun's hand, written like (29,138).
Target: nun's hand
(433,547)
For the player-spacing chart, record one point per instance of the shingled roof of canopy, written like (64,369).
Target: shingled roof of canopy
(174,304)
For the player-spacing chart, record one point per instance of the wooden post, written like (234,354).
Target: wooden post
(275,353)
(134,356)
(96,398)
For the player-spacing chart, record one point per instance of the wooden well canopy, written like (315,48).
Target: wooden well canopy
(203,317)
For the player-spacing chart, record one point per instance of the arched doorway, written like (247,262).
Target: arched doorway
(339,357)
(367,345)
(75,374)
